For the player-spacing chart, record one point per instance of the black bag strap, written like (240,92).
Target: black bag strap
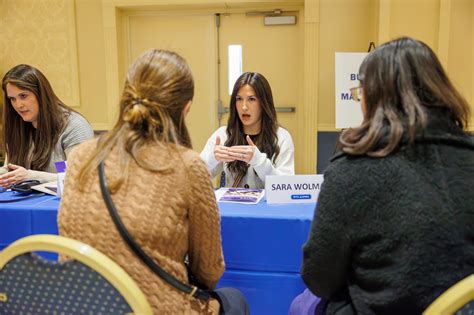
(192,291)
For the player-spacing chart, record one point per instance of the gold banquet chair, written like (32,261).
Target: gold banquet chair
(89,283)
(458,299)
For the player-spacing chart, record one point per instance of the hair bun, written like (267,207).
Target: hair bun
(136,114)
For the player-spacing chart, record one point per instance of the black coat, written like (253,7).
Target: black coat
(393,233)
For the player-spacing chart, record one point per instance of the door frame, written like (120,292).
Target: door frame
(113,27)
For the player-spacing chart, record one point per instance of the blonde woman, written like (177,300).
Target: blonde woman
(160,187)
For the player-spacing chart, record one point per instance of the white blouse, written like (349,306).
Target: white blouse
(260,164)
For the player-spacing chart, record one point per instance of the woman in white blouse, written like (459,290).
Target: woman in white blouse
(252,145)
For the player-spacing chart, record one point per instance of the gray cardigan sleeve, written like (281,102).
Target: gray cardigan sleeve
(76,131)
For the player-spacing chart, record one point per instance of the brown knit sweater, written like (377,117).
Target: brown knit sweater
(169,215)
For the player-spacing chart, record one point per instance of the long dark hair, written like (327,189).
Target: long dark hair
(158,86)
(401,81)
(267,139)
(20,136)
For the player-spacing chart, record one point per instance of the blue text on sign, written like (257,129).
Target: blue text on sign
(354,77)
(346,97)
(305,196)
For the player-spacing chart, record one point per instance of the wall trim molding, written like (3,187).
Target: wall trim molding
(472,69)
(328,128)
(100,126)
(444,31)
(308,126)
(383,21)
(74,64)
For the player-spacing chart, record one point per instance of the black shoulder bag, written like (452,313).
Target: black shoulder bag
(192,291)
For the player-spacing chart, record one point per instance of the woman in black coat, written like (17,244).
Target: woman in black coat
(394,223)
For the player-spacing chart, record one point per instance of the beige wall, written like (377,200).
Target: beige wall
(348,25)
(67,40)
(64,39)
(91,56)
(419,19)
(460,61)
(42,33)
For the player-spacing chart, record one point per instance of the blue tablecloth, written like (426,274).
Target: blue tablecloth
(264,237)
(36,215)
(261,243)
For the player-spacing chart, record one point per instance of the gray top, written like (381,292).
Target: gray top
(77,130)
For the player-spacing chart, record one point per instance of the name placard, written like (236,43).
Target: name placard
(293,188)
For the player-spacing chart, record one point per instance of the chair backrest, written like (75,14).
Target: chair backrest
(89,283)
(458,299)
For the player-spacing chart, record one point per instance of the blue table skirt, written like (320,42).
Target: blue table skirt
(36,215)
(262,244)
(265,237)
(257,237)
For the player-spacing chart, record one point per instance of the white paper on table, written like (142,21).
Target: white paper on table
(48,188)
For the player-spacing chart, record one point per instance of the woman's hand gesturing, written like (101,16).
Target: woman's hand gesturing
(221,153)
(243,152)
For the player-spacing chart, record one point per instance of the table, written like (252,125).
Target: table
(262,244)
(32,216)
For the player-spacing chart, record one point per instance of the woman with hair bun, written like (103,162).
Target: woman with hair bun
(160,187)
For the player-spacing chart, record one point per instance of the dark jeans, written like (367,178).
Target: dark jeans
(232,301)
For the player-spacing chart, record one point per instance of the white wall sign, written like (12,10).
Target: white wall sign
(293,189)
(348,112)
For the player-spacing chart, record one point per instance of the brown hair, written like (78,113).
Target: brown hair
(21,135)
(402,80)
(158,86)
(267,140)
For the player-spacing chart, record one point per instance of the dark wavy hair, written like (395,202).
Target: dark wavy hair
(401,80)
(267,139)
(20,136)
